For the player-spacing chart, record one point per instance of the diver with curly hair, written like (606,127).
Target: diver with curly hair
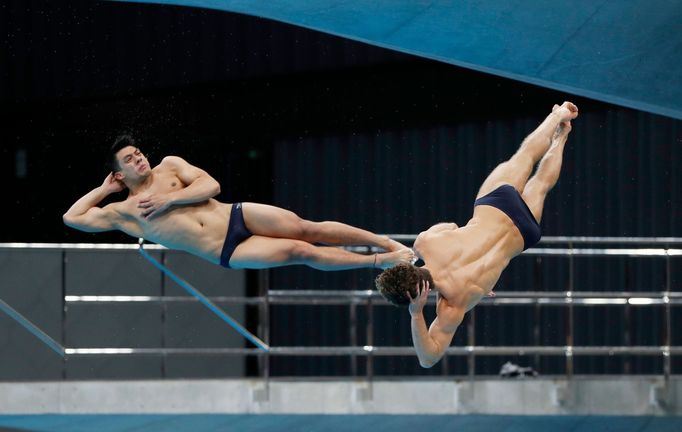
(463,264)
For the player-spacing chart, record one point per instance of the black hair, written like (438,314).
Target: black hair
(122,141)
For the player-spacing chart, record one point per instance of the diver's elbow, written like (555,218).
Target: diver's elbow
(67,219)
(428,363)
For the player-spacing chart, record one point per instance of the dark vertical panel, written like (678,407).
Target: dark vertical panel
(106,325)
(192,325)
(30,284)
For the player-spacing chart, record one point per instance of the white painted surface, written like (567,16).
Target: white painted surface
(623,396)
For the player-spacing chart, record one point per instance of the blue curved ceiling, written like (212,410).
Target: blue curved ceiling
(626,52)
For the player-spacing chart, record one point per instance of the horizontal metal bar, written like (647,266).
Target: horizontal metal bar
(161,351)
(574,302)
(555,251)
(567,351)
(668,241)
(391,351)
(77,246)
(611,240)
(636,301)
(589,294)
(334,297)
(640,252)
(109,299)
(294,294)
(577,239)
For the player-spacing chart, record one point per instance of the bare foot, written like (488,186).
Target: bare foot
(391,259)
(562,130)
(566,127)
(567,111)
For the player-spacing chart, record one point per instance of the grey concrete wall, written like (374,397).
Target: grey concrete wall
(34,281)
(622,396)
(30,282)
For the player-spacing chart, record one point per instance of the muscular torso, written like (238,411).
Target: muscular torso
(467,262)
(198,228)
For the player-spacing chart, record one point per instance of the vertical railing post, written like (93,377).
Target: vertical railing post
(264,326)
(370,342)
(353,329)
(569,300)
(537,286)
(445,364)
(627,339)
(164,313)
(471,342)
(63,317)
(667,322)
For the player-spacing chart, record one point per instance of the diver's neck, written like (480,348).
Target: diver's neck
(142,185)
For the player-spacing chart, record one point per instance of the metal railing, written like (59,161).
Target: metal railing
(371,299)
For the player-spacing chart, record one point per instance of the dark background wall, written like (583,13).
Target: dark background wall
(331,129)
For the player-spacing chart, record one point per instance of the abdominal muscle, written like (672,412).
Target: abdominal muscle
(199,229)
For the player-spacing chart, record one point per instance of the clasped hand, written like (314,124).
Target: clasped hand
(419,300)
(153,204)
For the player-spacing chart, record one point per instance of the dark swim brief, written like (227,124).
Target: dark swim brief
(237,232)
(508,199)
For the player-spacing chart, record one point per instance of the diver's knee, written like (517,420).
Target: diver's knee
(301,251)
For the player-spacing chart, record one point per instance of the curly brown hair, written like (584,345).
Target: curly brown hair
(395,282)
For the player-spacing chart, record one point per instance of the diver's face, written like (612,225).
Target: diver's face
(132,163)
